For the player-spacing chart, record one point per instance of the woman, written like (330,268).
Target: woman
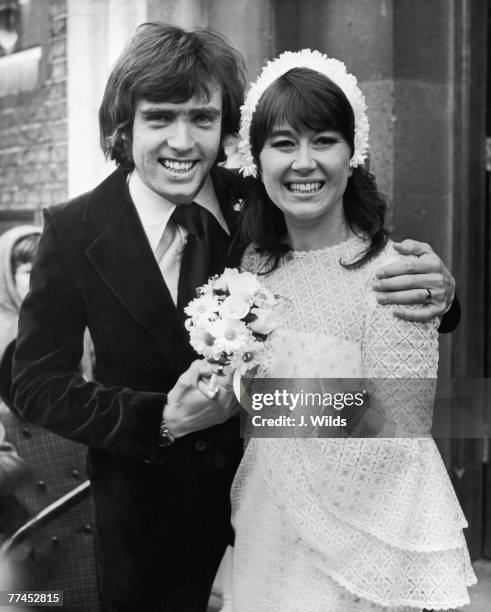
(337,524)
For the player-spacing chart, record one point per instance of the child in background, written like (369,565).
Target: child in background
(17,249)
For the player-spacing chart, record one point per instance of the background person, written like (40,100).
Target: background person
(17,249)
(60,556)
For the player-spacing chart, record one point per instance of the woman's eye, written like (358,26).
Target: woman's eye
(326,141)
(282,144)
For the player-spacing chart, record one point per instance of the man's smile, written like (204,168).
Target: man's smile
(178,167)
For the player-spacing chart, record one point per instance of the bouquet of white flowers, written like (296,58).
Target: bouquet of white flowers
(231,318)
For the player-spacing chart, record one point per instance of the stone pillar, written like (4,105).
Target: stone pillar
(423,129)
(186,14)
(247,24)
(97,32)
(423,98)
(361,35)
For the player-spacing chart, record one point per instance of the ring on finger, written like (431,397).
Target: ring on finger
(429,296)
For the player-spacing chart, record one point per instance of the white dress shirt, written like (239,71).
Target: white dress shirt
(155,214)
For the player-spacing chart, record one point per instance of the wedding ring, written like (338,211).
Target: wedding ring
(220,371)
(429,295)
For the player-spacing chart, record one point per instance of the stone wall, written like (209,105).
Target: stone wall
(33,126)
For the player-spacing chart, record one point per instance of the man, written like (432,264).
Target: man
(122,260)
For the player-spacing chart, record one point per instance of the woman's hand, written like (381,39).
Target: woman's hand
(215,377)
(424,280)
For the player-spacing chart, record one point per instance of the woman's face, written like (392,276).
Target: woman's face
(305,173)
(22,274)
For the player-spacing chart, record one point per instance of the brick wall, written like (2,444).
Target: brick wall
(33,126)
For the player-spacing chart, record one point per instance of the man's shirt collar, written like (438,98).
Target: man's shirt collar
(155,211)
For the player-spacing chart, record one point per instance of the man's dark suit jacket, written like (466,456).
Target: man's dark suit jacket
(162,514)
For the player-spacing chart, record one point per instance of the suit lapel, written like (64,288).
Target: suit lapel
(226,189)
(122,256)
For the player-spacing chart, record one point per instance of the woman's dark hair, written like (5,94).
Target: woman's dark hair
(164,63)
(23,251)
(306,99)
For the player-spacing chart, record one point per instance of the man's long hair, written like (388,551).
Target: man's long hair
(164,63)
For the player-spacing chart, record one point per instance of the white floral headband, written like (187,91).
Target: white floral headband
(328,66)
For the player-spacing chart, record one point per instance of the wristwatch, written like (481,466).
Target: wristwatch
(165,436)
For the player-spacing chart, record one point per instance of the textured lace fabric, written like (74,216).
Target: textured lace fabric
(328,525)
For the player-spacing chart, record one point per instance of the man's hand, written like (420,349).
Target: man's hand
(190,409)
(412,281)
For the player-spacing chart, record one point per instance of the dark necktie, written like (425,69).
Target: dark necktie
(194,270)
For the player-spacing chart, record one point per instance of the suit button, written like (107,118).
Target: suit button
(75,473)
(200,446)
(41,485)
(88,528)
(26,433)
(55,540)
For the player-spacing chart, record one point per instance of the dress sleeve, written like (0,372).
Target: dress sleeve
(400,362)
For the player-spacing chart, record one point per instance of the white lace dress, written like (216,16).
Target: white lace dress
(341,525)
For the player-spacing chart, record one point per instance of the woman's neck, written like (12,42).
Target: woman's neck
(309,235)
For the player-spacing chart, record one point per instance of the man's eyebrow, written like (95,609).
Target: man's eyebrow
(149,113)
(156,112)
(212,111)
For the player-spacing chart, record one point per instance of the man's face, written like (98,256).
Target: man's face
(175,145)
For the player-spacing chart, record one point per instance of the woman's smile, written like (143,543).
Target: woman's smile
(304,187)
